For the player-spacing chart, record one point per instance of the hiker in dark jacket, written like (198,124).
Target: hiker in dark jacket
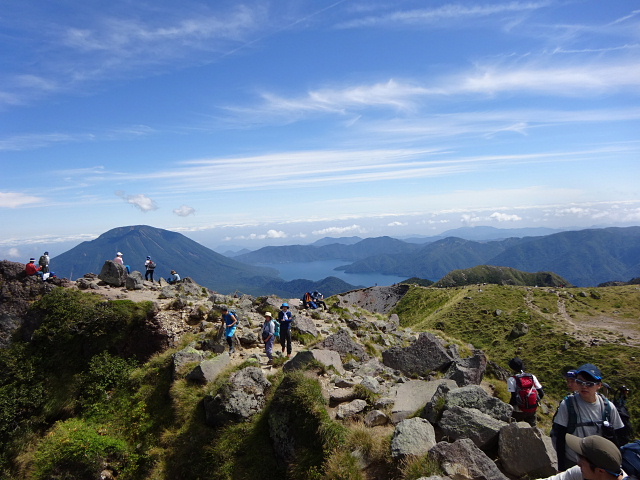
(584,413)
(285,318)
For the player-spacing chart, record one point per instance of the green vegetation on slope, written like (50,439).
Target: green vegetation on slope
(485,316)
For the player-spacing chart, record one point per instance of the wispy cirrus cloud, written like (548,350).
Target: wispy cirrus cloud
(18,199)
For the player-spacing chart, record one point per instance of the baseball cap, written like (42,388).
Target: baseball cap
(598,450)
(591,370)
(119,254)
(284,305)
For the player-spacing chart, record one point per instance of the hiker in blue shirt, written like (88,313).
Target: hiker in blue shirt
(285,318)
(230,323)
(174,278)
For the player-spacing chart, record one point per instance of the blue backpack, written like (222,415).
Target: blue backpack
(277,329)
(631,458)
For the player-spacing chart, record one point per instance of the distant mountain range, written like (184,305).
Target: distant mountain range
(171,250)
(584,257)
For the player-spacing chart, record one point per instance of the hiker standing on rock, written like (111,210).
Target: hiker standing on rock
(230,323)
(149,266)
(44,262)
(526,393)
(584,413)
(598,459)
(285,318)
(268,336)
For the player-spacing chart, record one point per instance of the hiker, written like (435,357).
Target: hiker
(319,299)
(620,401)
(44,262)
(230,323)
(570,376)
(268,336)
(307,301)
(32,269)
(598,459)
(120,261)
(174,278)
(526,393)
(584,413)
(285,318)
(149,266)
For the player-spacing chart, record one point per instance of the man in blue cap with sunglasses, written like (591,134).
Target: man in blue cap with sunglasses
(584,413)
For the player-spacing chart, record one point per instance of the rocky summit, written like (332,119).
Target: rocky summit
(360,397)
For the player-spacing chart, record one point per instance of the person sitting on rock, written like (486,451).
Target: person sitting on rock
(32,269)
(319,299)
(174,278)
(120,261)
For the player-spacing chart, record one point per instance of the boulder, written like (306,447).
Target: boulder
(519,330)
(424,355)
(241,398)
(188,287)
(345,345)
(341,395)
(305,326)
(375,418)
(540,459)
(208,370)
(474,396)
(413,436)
(134,281)
(463,460)
(413,396)
(326,357)
(185,356)
(347,410)
(466,371)
(113,274)
(471,423)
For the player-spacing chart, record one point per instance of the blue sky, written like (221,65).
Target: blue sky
(281,122)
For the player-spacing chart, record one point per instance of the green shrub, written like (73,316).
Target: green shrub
(76,450)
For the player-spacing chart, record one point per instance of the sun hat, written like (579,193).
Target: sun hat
(591,370)
(267,314)
(284,305)
(32,259)
(598,450)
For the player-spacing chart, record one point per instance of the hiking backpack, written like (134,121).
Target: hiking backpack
(151,265)
(631,458)
(276,332)
(42,261)
(573,416)
(527,397)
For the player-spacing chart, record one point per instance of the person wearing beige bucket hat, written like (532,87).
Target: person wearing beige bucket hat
(598,459)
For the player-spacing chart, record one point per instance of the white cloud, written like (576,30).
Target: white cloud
(270,234)
(140,201)
(184,211)
(339,230)
(397,224)
(14,253)
(14,199)
(504,217)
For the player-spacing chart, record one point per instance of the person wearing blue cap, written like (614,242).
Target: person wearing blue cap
(584,413)
(285,318)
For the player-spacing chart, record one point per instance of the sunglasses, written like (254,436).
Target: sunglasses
(585,383)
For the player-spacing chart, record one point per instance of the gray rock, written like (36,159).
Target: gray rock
(471,423)
(326,357)
(413,436)
(519,330)
(190,288)
(240,399)
(347,410)
(134,281)
(372,384)
(345,345)
(185,356)
(305,325)
(375,418)
(208,370)
(424,355)
(462,460)
(341,395)
(413,396)
(248,338)
(466,371)
(474,396)
(540,459)
(113,274)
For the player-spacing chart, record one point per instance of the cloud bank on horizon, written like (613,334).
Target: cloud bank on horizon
(271,122)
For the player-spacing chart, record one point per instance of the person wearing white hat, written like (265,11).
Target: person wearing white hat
(118,259)
(268,336)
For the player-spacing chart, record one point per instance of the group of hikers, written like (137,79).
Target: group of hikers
(149,268)
(41,269)
(590,433)
(313,300)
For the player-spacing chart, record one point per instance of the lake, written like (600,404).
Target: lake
(322,269)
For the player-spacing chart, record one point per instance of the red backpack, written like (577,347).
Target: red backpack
(527,397)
